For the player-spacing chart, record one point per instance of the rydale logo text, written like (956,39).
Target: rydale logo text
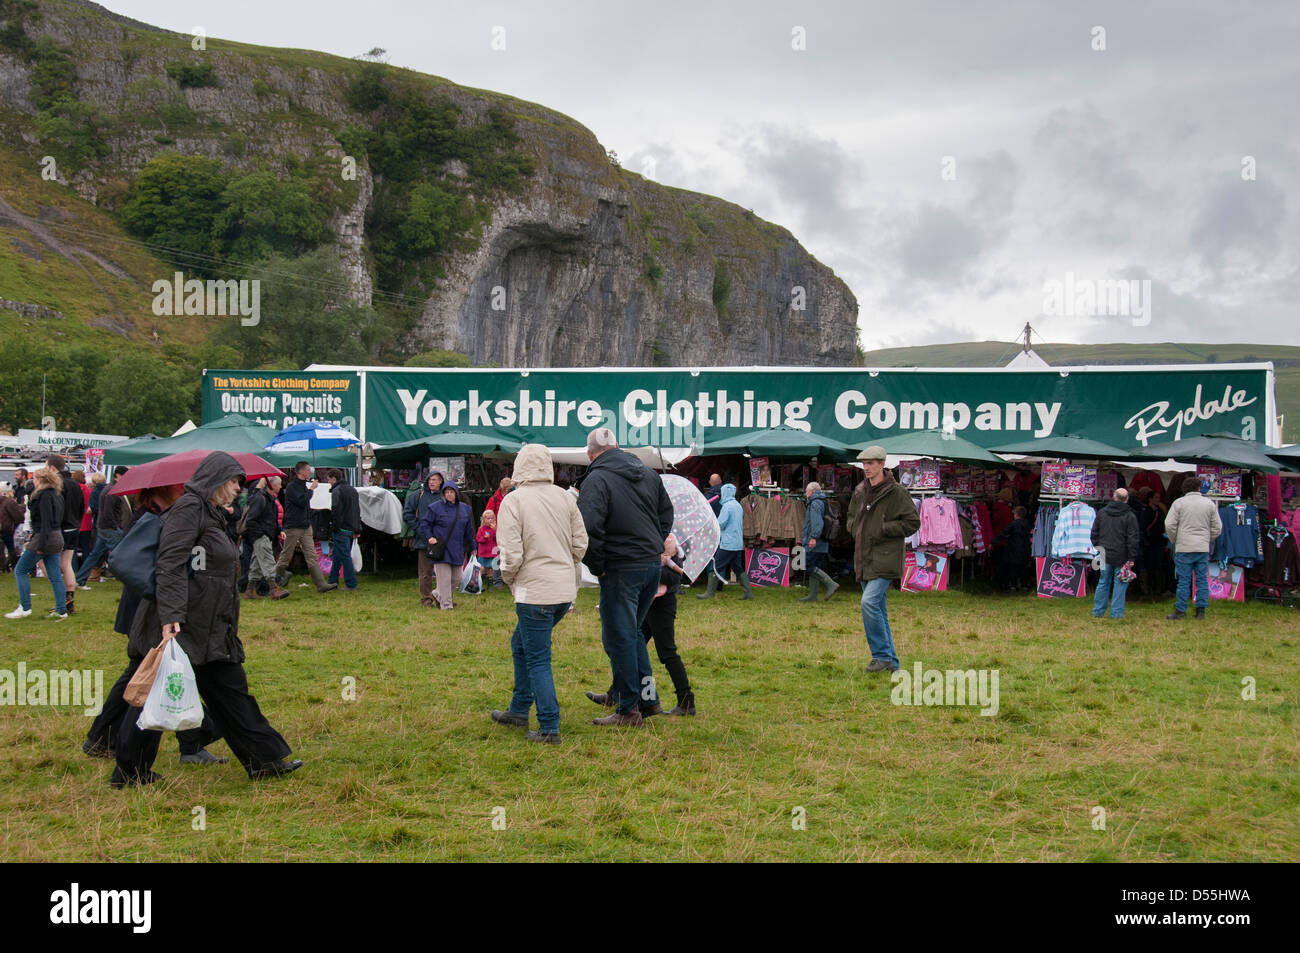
(1154,415)
(77,906)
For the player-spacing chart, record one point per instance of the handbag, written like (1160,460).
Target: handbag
(132,560)
(137,690)
(439,549)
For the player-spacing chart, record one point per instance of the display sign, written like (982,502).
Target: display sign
(1069,479)
(760,472)
(1060,577)
(1226,582)
(919,474)
(925,571)
(1124,407)
(1219,480)
(280,399)
(768,567)
(54,440)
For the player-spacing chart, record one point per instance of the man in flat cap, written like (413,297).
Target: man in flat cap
(881,516)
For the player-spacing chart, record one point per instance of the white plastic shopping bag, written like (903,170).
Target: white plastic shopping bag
(356,555)
(173,703)
(471,579)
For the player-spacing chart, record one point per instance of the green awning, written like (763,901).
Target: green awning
(782,442)
(451,442)
(1068,447)
(235,433)
(937,444)
(1221,448)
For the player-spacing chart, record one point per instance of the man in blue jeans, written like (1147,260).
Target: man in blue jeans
(881,516)
(1115,531)
(345,524)
(1193,527)
(628,516)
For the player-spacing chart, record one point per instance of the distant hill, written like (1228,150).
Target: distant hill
(1286,361)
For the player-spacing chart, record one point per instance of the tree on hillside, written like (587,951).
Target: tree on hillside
(174,203)
(141,393)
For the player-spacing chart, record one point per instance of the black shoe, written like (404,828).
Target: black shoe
(685,705)
(1200,613)
(879,665)
(97,749)
(505,718)
(275,769)
(651,709)
(602,698)
(120,780)
(1176,615)
(545,737)
(203,756)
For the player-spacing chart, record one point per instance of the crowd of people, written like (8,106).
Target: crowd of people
(534,537)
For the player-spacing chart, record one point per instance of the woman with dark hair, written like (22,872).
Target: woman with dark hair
(199,607)
(45,545)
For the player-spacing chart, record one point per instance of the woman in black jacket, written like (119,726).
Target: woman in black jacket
(101,739)
(45,545)
(197,603)
(262,529)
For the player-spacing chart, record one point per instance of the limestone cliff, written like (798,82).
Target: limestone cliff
(587,264)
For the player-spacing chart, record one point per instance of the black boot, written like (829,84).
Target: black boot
(1200,613)
(1176,615)
(685,705)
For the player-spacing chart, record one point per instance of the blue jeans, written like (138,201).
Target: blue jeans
(26,563)
(341,559)
(531,648)
(626,593)
(1109,588)
(105,543)
(875,621)
(1185,564)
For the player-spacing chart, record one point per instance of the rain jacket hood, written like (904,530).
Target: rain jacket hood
(216,469)
(533,465)
(728,492)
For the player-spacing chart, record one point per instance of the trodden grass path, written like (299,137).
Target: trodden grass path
(1144,719)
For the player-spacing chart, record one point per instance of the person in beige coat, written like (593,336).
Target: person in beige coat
(540,540)
(1193,526)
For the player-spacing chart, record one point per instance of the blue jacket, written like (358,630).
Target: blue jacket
(453,522)
(731,520)
(814,523)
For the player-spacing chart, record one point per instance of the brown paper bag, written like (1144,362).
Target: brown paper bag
(137,690)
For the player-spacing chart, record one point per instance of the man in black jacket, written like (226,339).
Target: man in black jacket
(1116,531)
(628,517)
(262,528)
(297,527)
(74,506)
(345,525)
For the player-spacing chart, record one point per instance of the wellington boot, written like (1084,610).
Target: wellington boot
(746,585)
(712,589)
(814,586)
(830,584)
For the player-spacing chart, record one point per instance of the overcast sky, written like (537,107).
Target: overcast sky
(1066,159)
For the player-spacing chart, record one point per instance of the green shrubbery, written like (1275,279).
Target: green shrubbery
(192,75)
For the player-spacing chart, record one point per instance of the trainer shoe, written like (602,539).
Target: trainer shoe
(56,614)
(19,613)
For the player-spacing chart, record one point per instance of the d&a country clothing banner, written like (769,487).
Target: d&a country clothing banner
(1126,407)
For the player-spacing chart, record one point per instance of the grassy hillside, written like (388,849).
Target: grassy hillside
(1286,361)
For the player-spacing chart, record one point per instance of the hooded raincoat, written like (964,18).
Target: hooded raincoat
(540,534)
(453,522)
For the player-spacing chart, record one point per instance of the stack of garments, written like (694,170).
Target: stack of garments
(1072,535)
(1044,528)
(940,523)
(1281,563)
(1240,542)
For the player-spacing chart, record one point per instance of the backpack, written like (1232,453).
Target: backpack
(134,559)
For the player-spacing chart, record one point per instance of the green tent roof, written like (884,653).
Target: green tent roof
(235,433)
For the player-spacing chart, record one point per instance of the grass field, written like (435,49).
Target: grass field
(1144,718)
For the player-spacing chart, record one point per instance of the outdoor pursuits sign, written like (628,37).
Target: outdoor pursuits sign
(1122,406)
(280,399)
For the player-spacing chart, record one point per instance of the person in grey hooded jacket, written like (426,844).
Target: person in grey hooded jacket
(196,602)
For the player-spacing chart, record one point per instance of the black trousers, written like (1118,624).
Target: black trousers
(107,724)
(223,687)
(661,626)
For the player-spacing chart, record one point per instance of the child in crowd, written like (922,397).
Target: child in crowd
(487,549)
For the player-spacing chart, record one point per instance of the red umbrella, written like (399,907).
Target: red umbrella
(179,467)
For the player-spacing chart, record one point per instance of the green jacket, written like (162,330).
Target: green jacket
(879,529)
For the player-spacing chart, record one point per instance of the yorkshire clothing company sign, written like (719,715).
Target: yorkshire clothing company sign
(668,408)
